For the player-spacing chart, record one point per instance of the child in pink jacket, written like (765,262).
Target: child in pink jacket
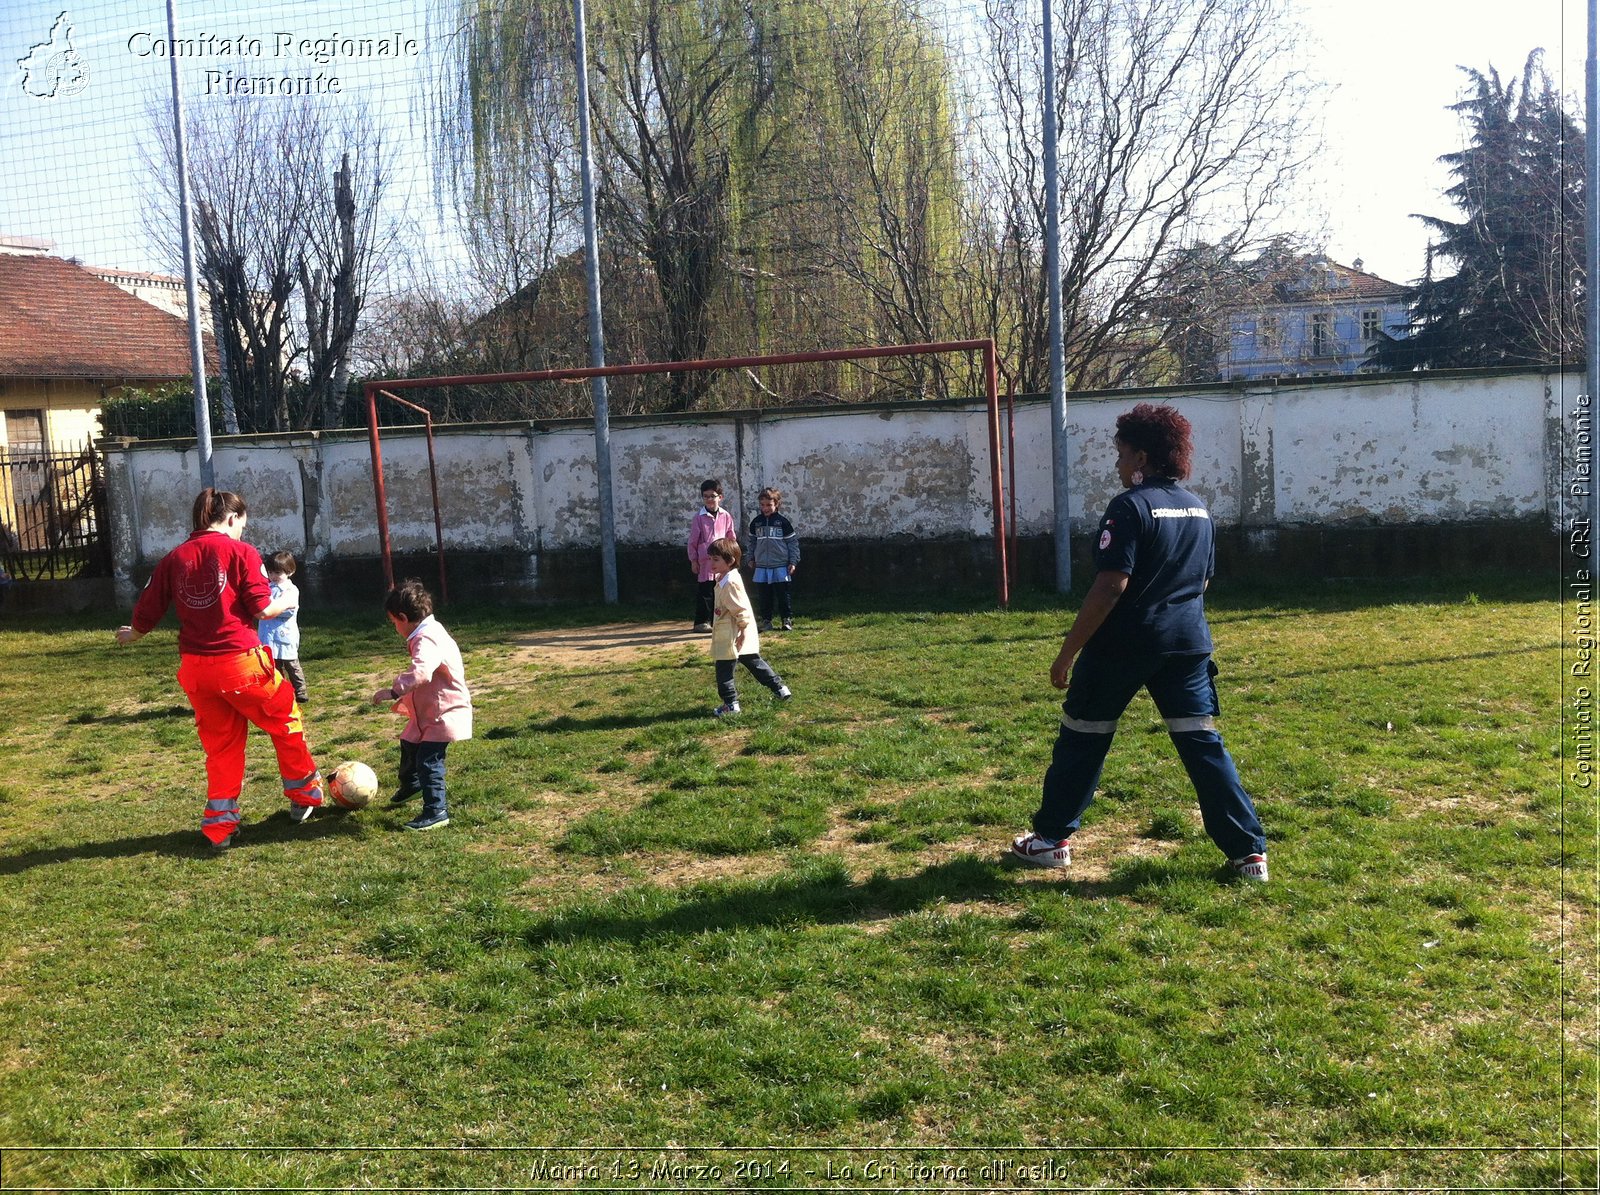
(433,695)
(710,523)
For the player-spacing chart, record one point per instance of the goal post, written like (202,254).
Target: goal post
(986,347)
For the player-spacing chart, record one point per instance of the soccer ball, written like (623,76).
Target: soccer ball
(352,784)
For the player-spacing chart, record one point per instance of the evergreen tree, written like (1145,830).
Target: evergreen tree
(1516,295)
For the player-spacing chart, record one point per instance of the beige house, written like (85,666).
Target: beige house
(68,341)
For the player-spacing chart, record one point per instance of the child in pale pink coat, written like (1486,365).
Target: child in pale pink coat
(433,695)
(708,525)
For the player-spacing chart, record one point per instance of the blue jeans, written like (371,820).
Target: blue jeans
(1184,690)
(422,768)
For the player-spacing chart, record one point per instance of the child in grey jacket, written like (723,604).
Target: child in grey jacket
(774,551)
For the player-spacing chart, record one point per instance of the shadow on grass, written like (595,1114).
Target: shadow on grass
(151,715)
(566,722)
(274,829)
(826,896)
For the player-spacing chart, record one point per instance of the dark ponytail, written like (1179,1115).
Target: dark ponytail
(213,506)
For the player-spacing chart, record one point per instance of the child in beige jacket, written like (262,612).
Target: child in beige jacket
(734,637)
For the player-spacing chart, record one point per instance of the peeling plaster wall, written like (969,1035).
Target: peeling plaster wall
(881,474)
(1359,452)
(1091,430)
(1413,452)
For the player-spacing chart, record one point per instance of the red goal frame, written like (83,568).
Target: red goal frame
(986,346)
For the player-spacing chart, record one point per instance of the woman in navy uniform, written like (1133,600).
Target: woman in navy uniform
(1143,625)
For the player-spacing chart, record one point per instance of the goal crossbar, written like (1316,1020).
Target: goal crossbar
(985,346)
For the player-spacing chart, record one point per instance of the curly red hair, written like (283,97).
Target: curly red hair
(1162,435)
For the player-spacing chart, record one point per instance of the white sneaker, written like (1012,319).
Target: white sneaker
(726,709)
(783,693)
(1039,852)
(1251,867)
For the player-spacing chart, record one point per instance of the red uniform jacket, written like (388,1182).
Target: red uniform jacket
(219,588)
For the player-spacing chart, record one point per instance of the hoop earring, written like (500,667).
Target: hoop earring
(1138,477)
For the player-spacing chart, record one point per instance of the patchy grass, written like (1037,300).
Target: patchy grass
(665,939)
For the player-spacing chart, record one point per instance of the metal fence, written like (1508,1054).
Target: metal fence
(53,513)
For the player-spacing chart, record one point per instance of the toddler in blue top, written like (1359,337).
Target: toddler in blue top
(282,634)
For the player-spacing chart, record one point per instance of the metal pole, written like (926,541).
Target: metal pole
(991,386)
(1011,479)
(197,352)
(379,494)
(621,371)
(597,338)
(1591,252)
(1059,445)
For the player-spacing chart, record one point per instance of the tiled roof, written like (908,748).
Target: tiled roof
(1319,280)
(57,320)
(107,273)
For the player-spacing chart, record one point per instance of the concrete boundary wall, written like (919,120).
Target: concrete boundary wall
(1456,448)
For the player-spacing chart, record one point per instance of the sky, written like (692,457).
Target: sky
(1393,65)
(74,168)
(75,172)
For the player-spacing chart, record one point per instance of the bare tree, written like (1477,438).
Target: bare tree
(285,213)
(1178,122)
(1200,296)
(349,238)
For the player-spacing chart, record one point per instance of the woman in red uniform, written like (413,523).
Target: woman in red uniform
(220,589)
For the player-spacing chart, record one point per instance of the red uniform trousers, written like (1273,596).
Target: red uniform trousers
(228,693)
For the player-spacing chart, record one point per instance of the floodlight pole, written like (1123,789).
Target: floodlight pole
(1591,253)
(597,338)
(1059,444)
(197,351)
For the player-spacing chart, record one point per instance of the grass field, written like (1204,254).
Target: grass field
(655,950)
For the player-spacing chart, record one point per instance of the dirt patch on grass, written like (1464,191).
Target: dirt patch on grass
(612,643)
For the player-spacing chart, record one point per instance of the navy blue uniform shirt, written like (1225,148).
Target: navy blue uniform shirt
(1160,535)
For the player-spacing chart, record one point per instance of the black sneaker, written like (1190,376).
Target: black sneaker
(402,795)
(788,624)
(426,822)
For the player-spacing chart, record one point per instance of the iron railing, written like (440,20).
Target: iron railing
(53,513)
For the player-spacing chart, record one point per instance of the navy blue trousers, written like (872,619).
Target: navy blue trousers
(422,767)
(1184,689)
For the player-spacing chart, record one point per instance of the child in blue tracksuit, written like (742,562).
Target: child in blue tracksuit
(774,551)
(282,634)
